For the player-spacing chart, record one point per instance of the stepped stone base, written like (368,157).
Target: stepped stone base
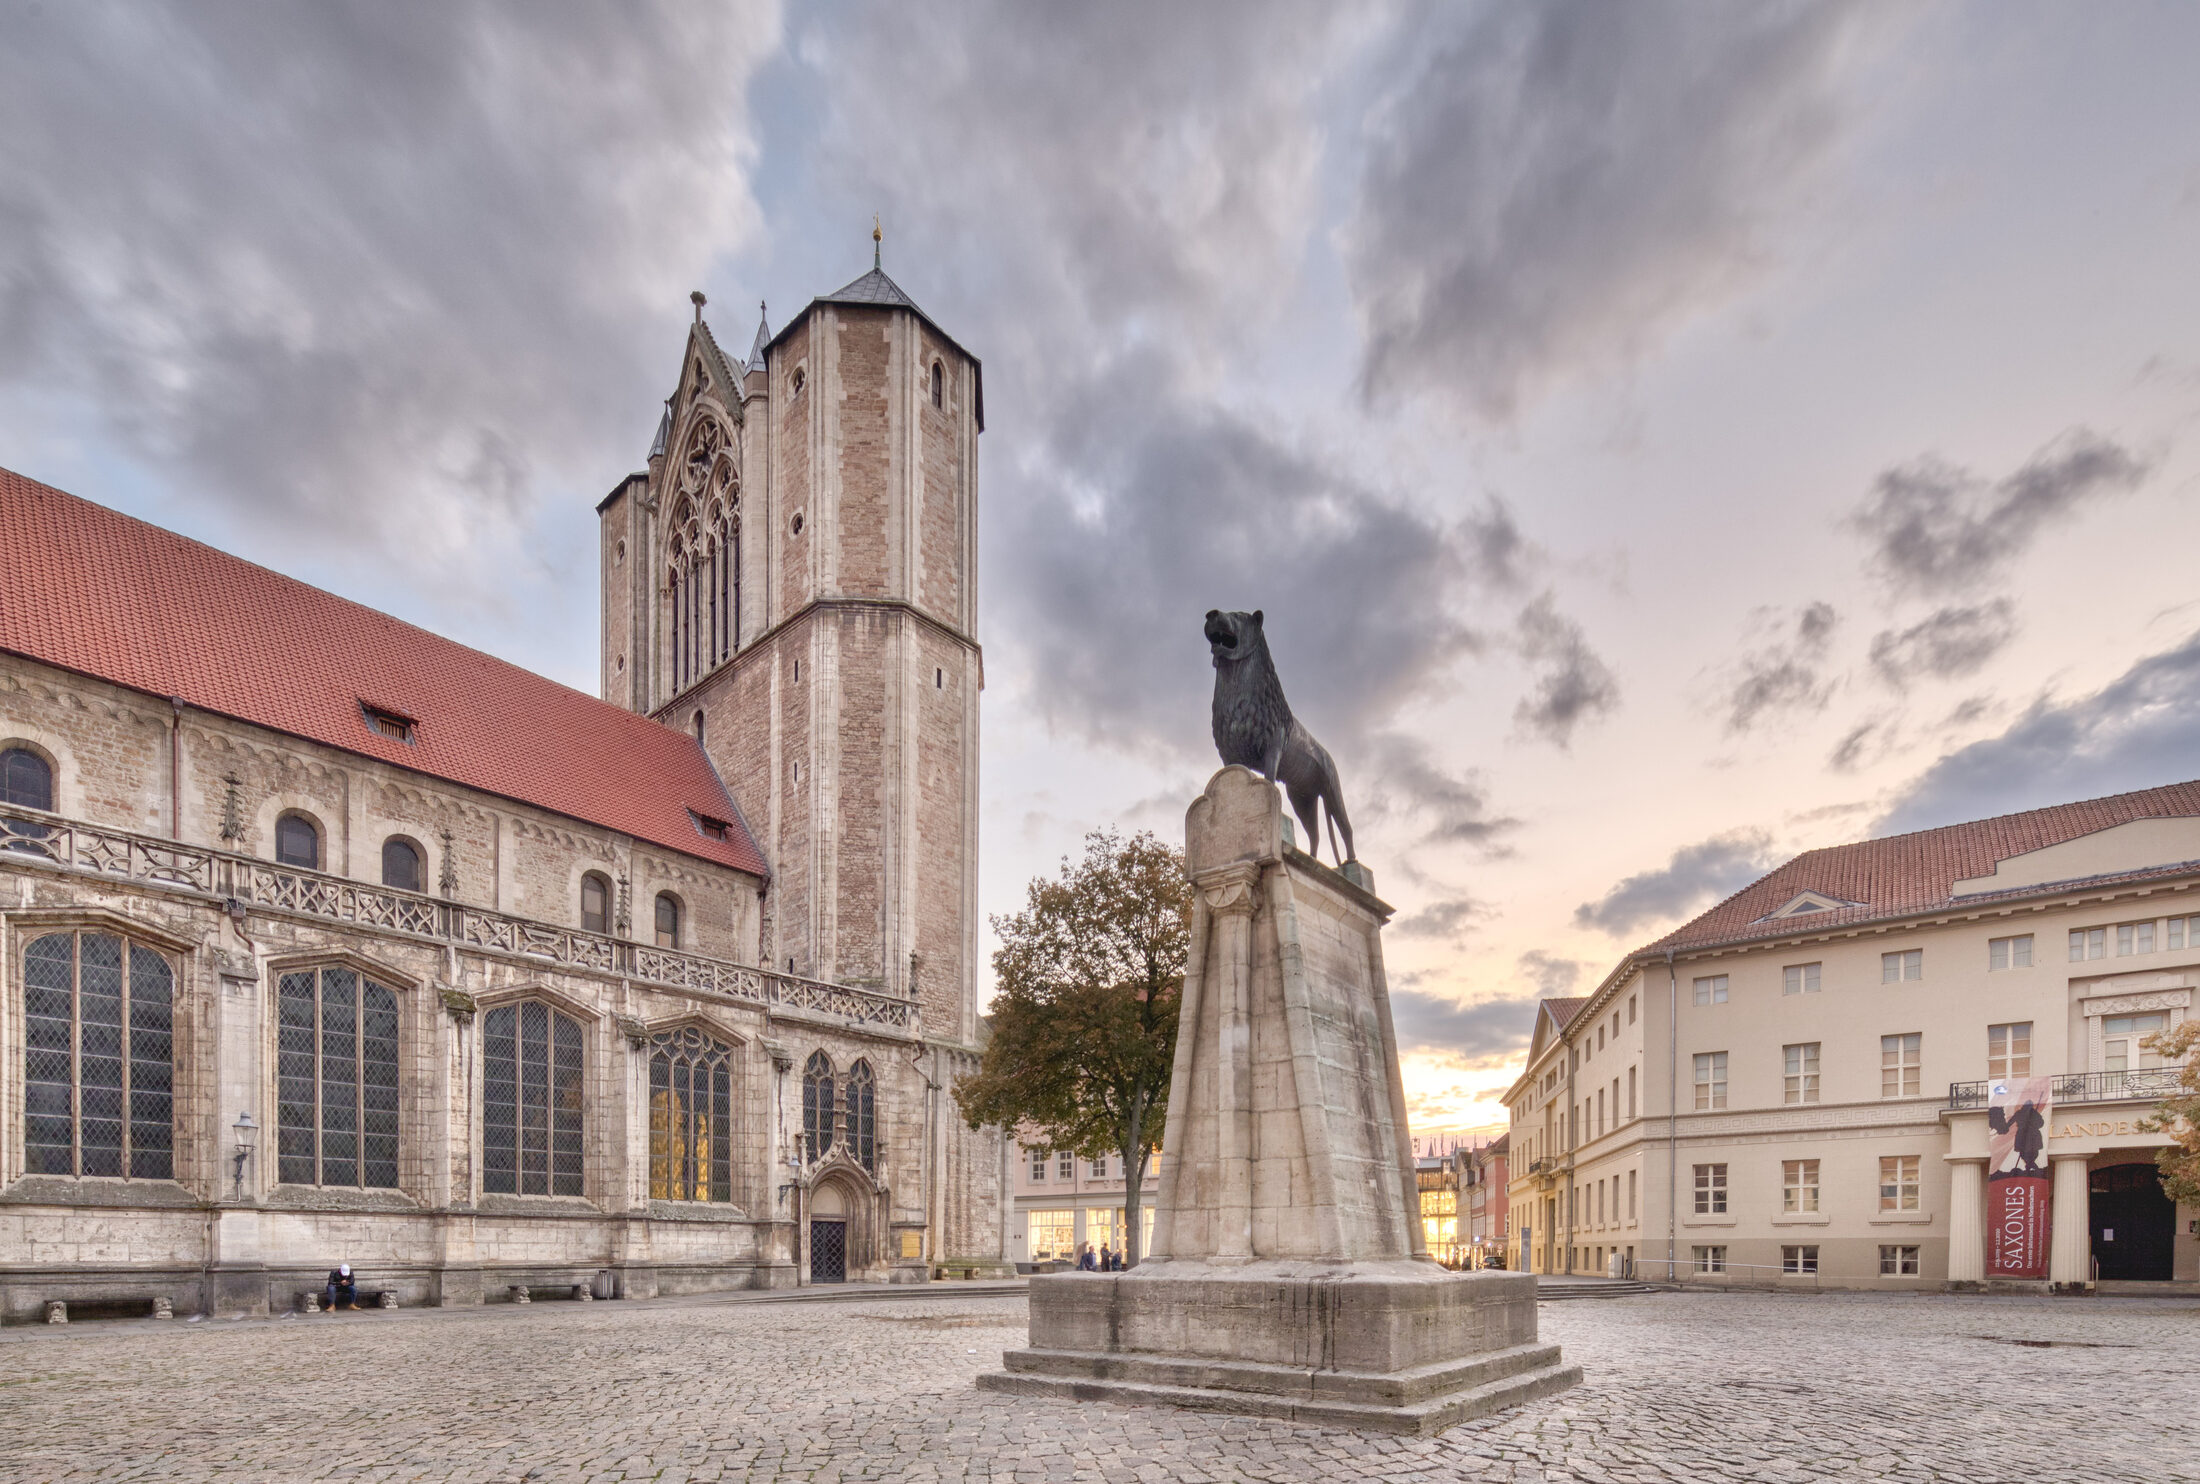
(1393,1346)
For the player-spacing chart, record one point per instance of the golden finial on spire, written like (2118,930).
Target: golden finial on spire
(878,238)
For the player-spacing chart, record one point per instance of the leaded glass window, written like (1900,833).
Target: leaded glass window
(26,779)
(297,842)
(336,1080)
(817,1104)
(690,1117)
(595,904)
(99,1058)
(862,1115)
(400,864)
(530,1101)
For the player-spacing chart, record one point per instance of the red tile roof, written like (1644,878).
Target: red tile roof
(1904,874)
(94,591)
(1565,1009)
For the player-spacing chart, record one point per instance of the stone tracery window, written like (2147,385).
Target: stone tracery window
(531,1101)
(703,543)
(99,1062)
(863,1115)
(336,1080)
(690,1117)
(817,1105)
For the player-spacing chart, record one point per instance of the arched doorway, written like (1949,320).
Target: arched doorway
(2134,1223)
(828,1234)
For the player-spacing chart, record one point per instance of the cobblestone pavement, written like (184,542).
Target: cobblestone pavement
(1680,1386)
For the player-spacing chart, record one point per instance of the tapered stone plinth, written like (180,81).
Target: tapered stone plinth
(1289,1277)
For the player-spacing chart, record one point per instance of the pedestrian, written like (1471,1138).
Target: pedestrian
(1107,1258)
(1085,1263)
(343,1289)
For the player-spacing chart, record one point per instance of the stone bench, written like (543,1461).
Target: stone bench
(160,1306)
(309,1300)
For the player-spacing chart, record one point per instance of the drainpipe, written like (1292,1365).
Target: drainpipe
(1672,1115)
(175,769)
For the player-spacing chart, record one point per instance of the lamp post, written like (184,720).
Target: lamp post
(247,1131)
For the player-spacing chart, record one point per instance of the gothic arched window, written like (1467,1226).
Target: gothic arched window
(26,779)
(817,1105)
(99,1067)
(668,920)
(298,842)
(704,544)
(401,863)
(595,903)
(530,1101)
(938,384)
(863,1115)
(336,1080)
(690,1117)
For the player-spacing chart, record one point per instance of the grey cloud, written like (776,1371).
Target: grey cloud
(1552,975)
(376,277)
(1487,1030)
(2139,731)
(1788,674)
(1446,919)
(1575,686)
(1696,875)
(1849,751)
(1936,529)
(1432,805)
(1952,643)
(1557,185)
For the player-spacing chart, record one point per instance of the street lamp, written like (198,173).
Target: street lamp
(247,1131)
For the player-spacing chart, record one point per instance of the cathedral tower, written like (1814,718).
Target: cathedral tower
(794,580)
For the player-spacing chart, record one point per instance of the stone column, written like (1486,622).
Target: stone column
(1229,895)
(2070,1250)
(1966,1221)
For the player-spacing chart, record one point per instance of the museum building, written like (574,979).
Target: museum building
(324,939)
(1793,1088)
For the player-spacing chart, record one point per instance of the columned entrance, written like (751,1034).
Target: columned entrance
(2134,1223)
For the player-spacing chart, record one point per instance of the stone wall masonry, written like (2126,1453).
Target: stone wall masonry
(864,415)
(796,432)
(943,503)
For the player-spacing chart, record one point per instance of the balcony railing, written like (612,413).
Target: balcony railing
(2144,1084)
(28,835)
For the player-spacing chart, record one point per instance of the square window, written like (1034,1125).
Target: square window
(1898,1182)
(1800,978)
(1900,1065)
(1711,990)
(1801,1072)
(1711,1190)
(2009,953)
(1898,1262)
(1799,1259)
(2134,937)
(1710,1079)
(1896,967)
(2088,943)
(1799,1186)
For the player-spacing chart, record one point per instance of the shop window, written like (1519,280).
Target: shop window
(1051,1235)
(336,1080)
(530,1101)
(690,1117)
(99,1061)
(298,842)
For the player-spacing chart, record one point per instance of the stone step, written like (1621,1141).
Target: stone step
(1398,1389)
(1600,1288)
(1421,1419)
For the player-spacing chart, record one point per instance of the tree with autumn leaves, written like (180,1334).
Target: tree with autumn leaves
(2178,1115)
(1089,977)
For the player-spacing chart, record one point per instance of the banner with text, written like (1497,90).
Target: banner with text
(2017,1188)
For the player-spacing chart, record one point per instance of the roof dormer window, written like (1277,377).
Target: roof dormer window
(709,828)
(1805,903)
(384,722)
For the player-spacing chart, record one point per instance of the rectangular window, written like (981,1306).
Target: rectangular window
(1599,1125)
(1897,1262)
(1798,1259)
(1051,1235)
(1630,1009)
(1800,978)
(1710,1079)
(1067,1162)
(1900,1059)
(1711,1190)
(2184,932)
(1038,1166)
(1710,1259)
(1898,1182)
(1631,1193)
(2009,953)
(1630,1092)
(1100,1169)
(1802,1072)
(1711,990)
(1798,1186)
(2009,1050)
(2134,937)
(1896,967)
(2088,943)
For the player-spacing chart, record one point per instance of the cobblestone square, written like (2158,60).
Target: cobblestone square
(1680,1386)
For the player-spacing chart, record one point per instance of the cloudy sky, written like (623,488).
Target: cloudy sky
(1662,437)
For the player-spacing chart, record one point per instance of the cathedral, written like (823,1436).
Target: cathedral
(324,939)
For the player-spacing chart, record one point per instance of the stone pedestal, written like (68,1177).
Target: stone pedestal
(1289,1277)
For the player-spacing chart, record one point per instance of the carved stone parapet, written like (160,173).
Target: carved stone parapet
(636,1033)
(461,1005)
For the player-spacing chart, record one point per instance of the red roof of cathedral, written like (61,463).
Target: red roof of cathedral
(91,590)
(1902,874)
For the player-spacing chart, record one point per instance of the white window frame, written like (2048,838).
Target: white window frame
(1798,1187)
(2009,953)
(1799,1071)
(1900,1185)
(1899,1260)
(2087,944)
(2133,938)
(1710,1080)
(1800,1260)
(2005,1061)
(1908,1050)
(1710,1188)
(1902,966)
(1711,989)
(1802,978)
(2182,932)
(1710,1259)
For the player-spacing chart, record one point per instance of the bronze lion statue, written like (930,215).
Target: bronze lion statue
(1254,728)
